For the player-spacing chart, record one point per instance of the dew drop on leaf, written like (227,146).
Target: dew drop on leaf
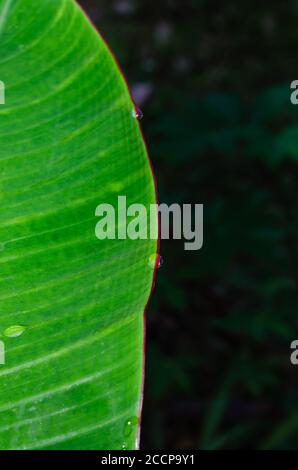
(14,331)
(137,114)
(155,259)
(129,425)
(160,261)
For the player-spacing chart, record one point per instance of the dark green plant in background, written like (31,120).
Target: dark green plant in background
(213,80)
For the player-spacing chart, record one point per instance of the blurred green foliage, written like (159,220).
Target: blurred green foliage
(213,80)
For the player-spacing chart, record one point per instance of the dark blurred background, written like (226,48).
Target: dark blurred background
(213,81)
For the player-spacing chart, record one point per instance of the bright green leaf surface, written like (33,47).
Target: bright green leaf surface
(71,306)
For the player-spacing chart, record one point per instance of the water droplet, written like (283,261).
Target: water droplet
(124,446)
(14,331)
(155,260)
(129,425)
(160,262)
(137,114)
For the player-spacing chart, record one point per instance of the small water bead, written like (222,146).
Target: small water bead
(129,425)
(124,446)
(14,331)
(155,260)
(160,261)
(137,114)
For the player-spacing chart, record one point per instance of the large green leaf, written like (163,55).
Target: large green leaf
(71,306)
